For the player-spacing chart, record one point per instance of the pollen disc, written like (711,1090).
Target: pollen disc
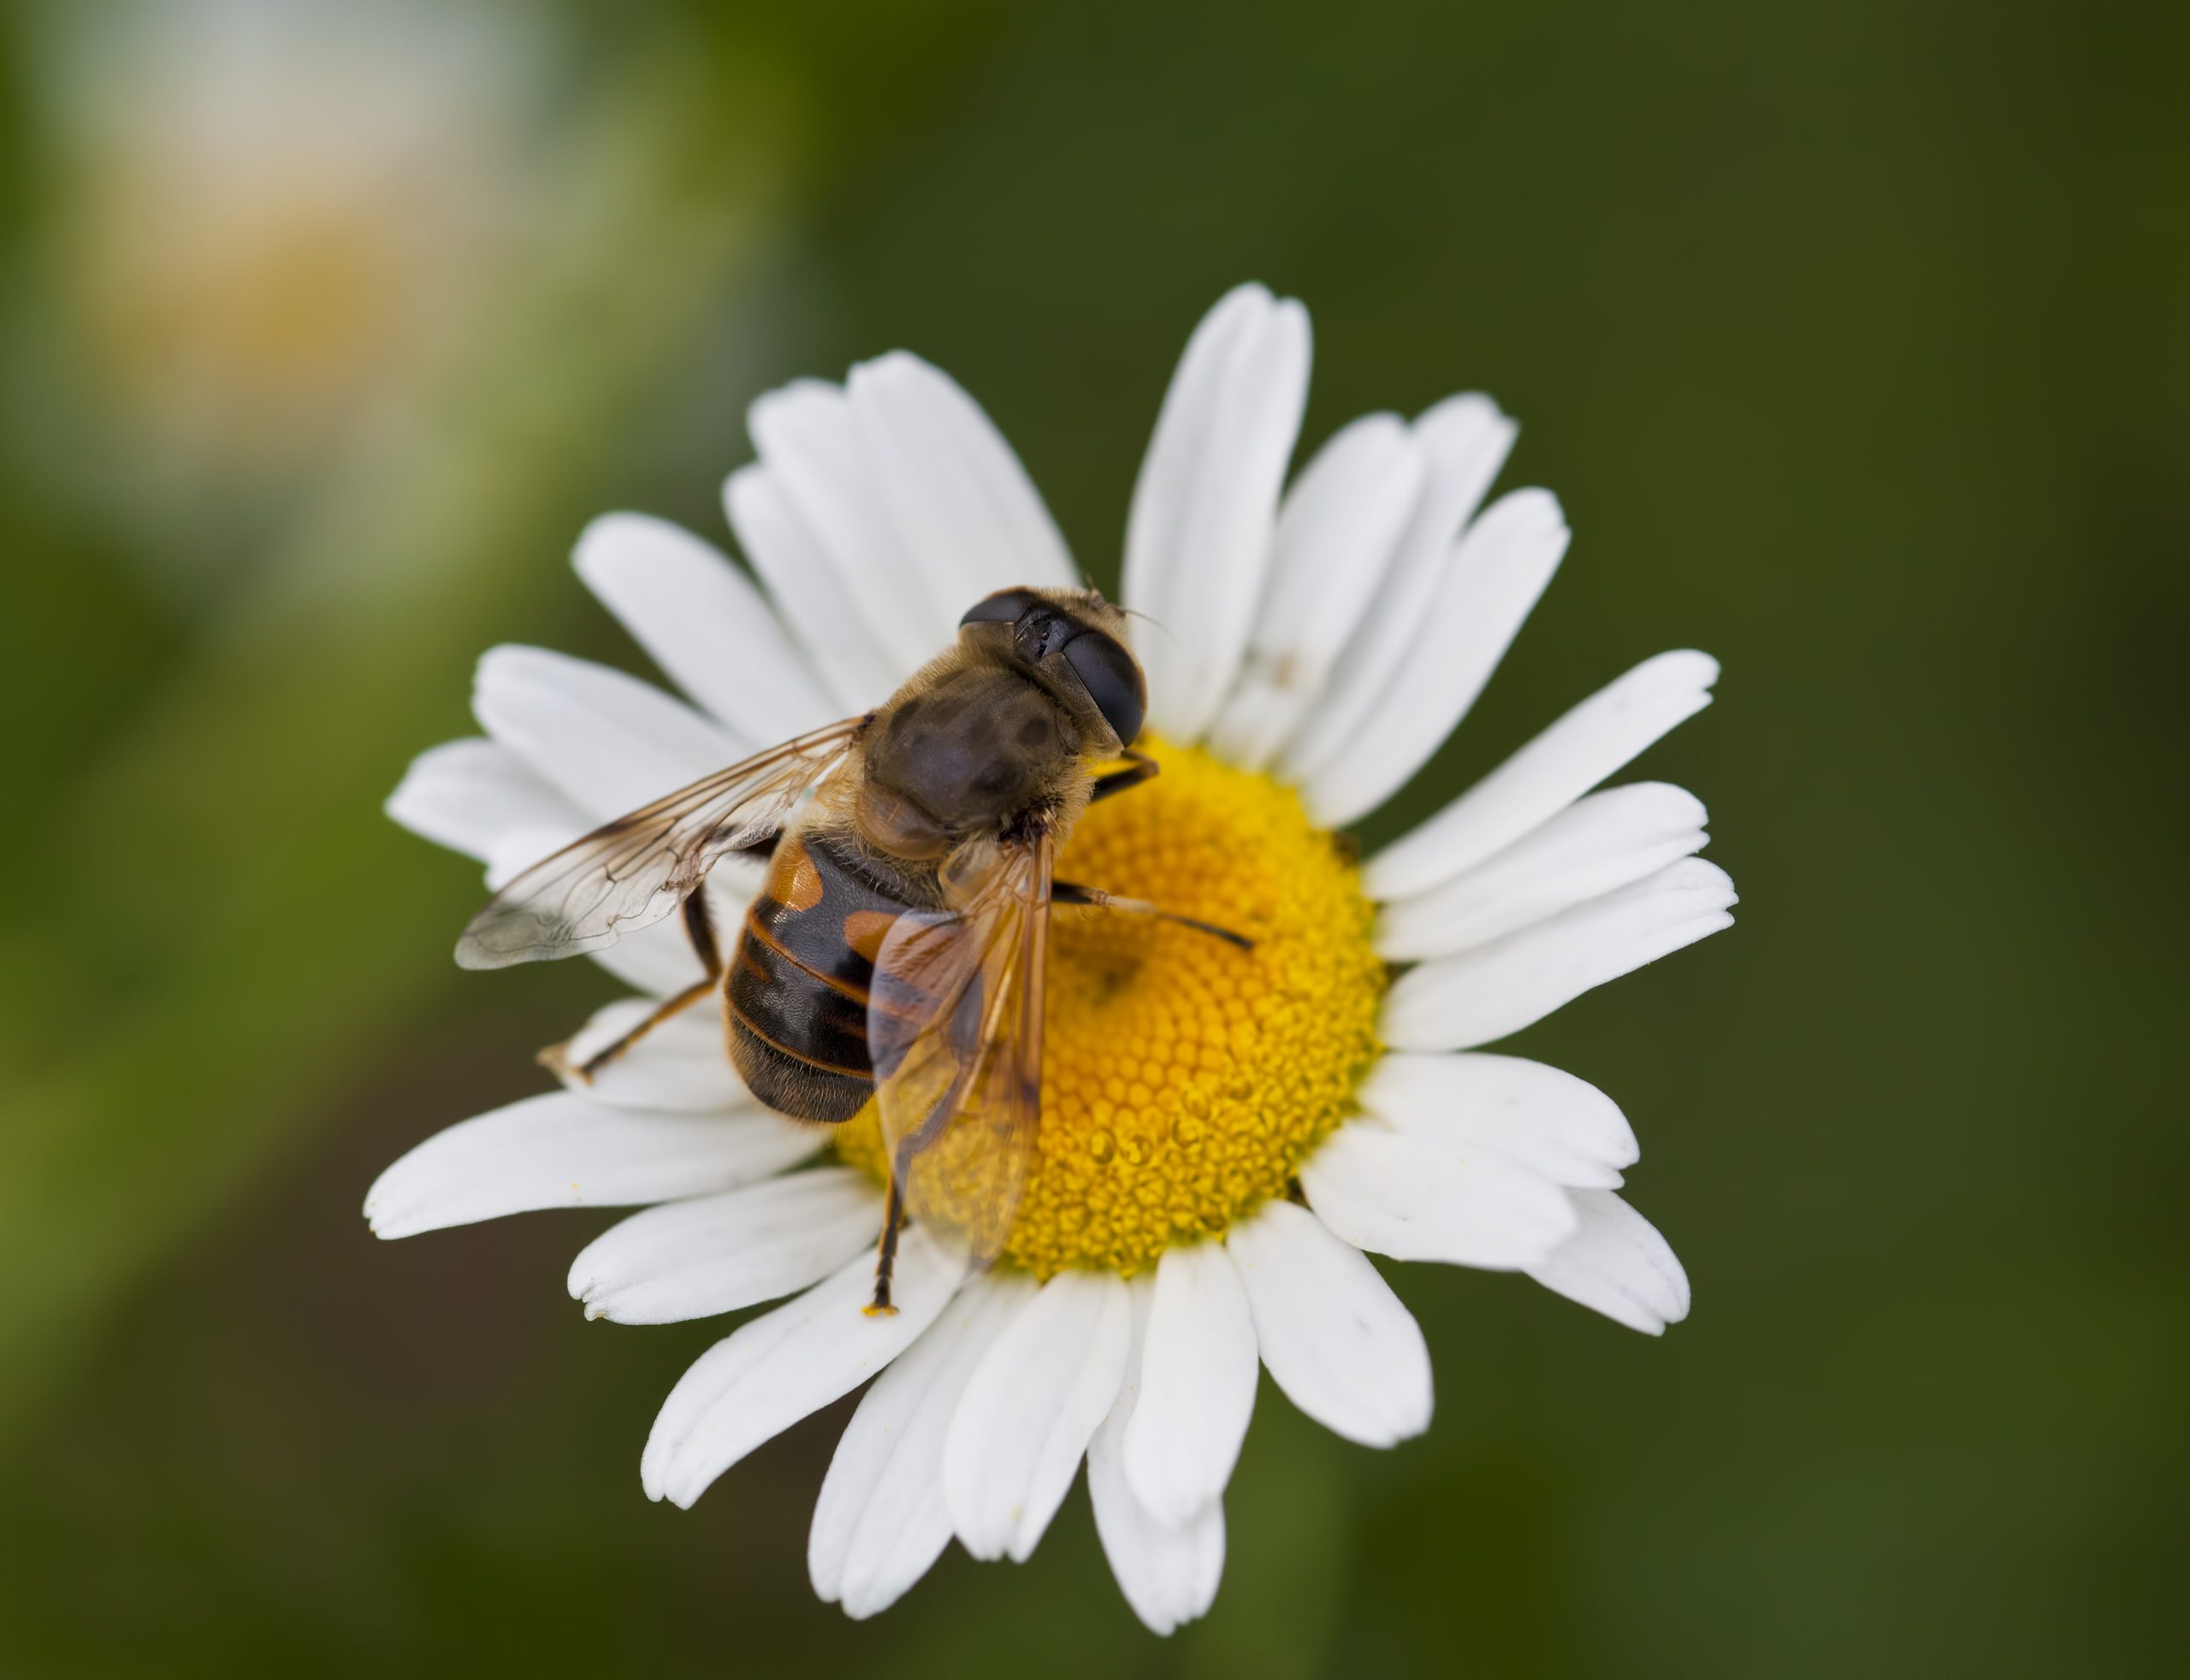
(1184,1079)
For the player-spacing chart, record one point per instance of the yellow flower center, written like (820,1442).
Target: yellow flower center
(1184,1079)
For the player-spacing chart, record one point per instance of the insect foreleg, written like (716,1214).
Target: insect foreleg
(1138,768)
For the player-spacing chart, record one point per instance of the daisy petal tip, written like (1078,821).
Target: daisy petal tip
(1699,873)
(891,368)
(392,1216)
(1416,1423)
(739,486)
(1651,1321)
(402,801)
(382,1212)
(1248,296)
(1549,775)
(593,553)
(792,397)
(504,658)
(1532,507)
(1683,668)
(1410,1420)
(1619,1264)
(593,1301)
(1462,409)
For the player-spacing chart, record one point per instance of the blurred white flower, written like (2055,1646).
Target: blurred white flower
(274,218)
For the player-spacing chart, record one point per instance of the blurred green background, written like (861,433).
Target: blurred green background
(1854,338)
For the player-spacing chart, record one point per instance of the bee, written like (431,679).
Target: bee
(897,950)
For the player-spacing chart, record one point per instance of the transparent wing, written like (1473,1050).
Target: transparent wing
(631,873)
(955,1029)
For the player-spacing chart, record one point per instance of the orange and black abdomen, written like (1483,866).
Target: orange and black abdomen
(797,991)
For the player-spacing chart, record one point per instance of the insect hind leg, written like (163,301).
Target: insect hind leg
(698,927)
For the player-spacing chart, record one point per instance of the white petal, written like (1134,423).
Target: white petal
(1502,567)
(1595,845)
(1417,1198)
(705,624)
(960,499)
(680,1067)
(1336,535)
(810,445)
(1168,1572)
(1547,775)
(1482,994)
(610,741)
(1463,441)
(880,1522)
(1170,1576)
(1541,1117)
(1198,540)
(1619,1265)
(561,1151)
(855,668)
(467,794)
(774,1369)
(1028,1413)
(1337,1340)
(716,1254)
(1196,1387)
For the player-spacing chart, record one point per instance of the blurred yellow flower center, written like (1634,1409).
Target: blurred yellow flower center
(1184,1079)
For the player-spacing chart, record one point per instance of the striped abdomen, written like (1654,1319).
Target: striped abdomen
(797,991)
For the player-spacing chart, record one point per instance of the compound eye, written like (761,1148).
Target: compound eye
(1005,607)
(1112,679)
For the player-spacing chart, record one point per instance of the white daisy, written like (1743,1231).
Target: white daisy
(1322,641)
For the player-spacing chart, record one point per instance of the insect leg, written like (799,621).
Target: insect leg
(893,1220)
(1071,892)
(700,928)
(1139,767)
(967,1026)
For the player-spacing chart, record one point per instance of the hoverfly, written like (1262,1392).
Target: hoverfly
(897,948)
